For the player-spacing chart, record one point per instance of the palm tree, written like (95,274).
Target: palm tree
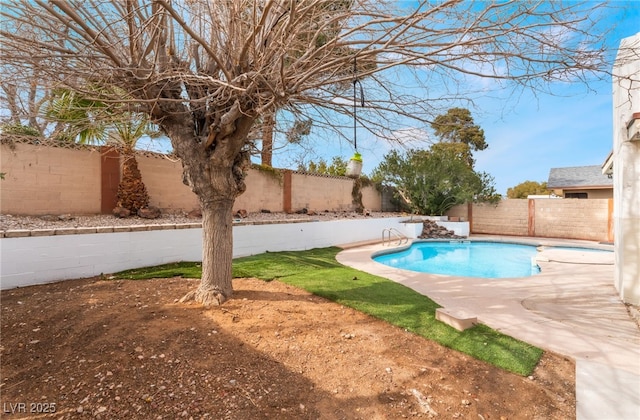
(132,193)
(92,122)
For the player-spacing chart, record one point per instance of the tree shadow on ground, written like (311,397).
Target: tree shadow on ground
(106,348)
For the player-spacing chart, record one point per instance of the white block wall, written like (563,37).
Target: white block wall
(41,259)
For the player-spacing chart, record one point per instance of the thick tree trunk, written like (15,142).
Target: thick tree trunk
(214,167)
(219,186)
(217,254)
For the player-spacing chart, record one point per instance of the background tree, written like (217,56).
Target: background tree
(205,71)
(457,126)
(21,98)
(94,122)
(10,131)
(293,132)
(527,188)
(432,181)
(337,167)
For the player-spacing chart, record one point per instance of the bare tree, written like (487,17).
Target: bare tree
(22,97)
(268,123)
(205,71)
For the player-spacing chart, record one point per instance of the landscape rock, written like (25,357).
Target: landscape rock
(121,212)
(194,214)
(149,213)
(13,222)
(242,214)
(431,230)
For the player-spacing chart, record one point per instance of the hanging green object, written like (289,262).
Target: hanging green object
(354,167)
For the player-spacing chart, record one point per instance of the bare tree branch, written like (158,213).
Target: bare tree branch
(206,71)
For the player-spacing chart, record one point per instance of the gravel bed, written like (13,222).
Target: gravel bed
(12,222)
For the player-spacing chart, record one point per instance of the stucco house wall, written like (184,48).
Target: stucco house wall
(626,171)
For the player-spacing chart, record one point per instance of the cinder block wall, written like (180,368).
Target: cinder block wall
(163,179)
(549,218)
(49,180)
(52,180)
(572,219)
(461,211)
(264,192)
(319,193)
(371,198)
(509,217)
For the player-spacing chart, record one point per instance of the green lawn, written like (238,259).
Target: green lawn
(318,272)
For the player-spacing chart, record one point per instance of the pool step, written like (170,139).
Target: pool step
(456,318)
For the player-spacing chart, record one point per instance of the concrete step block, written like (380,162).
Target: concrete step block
(456,318)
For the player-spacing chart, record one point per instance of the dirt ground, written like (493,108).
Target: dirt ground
(120,349)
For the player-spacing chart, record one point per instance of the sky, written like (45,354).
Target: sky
(530,135)
(527,135)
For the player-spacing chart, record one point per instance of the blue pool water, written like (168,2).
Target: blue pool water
(467,259)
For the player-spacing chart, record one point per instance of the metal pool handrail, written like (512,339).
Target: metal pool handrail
(396,233)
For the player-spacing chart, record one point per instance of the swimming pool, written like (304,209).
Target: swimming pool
(467,259)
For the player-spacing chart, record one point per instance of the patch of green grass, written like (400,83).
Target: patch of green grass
(181,269)
(318,272)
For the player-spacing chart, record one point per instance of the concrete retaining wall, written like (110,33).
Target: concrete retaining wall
(41,259)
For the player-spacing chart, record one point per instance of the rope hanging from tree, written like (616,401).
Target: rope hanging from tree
(356,83)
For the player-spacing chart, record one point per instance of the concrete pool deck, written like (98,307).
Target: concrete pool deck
(571,308)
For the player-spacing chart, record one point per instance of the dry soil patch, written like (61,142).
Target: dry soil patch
(126,349)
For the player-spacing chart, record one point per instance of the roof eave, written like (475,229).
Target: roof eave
(607,166)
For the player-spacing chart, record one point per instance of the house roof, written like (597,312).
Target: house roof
(578,177)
